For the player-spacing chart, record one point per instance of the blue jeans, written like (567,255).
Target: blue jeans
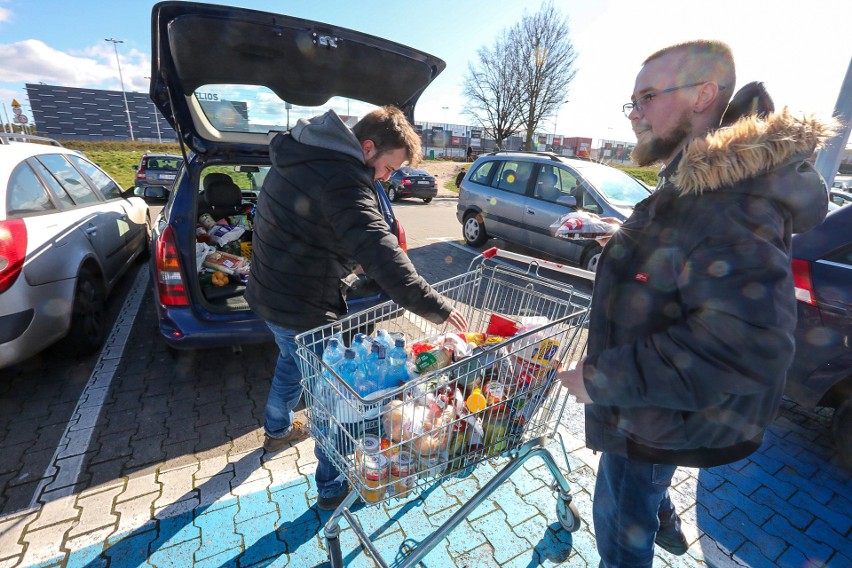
(630,498)
(284,394)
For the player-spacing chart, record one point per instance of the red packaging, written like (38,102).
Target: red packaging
(501,325)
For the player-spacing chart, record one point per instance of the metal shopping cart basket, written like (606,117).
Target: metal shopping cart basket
(503,400)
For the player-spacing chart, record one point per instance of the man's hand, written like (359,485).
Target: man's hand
(457,320)
(612,221)
(572,380)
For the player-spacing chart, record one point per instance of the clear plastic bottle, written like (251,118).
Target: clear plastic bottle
(376,367)
(397,372)
(323,386)
(385,338)
(333,353)
(361,345)
(351,372)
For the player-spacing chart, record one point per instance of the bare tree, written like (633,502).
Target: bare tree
(492,90)
(545,60)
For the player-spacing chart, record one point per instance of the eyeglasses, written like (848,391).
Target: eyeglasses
(640,103)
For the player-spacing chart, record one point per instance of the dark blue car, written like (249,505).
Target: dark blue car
(821,373)
(227,80)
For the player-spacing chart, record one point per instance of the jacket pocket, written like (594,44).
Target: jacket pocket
(654,427)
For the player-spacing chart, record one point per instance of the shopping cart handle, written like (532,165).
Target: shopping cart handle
(570,270)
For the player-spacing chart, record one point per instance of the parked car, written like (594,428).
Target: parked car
(517,196)
(250,58)
(158,169)
(840,198)
(821,373)
(843,184)
(411,182)
(67,234)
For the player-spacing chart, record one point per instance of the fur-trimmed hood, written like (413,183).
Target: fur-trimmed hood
(748,148)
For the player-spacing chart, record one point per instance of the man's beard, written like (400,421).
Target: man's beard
(658,148)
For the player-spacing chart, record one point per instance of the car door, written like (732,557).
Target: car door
(104,223)
(133,221)
(504,213)
(554,193)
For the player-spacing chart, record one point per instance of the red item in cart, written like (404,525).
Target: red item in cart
(501,325)
(420,347)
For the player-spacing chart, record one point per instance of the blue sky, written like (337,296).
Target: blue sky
(801,49)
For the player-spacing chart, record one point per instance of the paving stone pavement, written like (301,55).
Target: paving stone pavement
(175,475)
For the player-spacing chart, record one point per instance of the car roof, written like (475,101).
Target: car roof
(13,154)
(197,47)
(833,232)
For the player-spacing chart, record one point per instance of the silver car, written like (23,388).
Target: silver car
(67,234)
(517,196)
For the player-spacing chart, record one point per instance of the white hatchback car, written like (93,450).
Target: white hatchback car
(67,234)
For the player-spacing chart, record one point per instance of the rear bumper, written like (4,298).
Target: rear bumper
(32,318)
(418,192)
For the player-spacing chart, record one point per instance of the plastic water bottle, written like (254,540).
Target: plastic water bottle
(351,372)
(361,346)
(385,339)
(376,367)
(333,353)
(396,372)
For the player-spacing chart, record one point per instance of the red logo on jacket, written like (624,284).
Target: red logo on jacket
(641,276)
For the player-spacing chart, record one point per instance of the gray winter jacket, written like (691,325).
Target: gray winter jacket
(691,329)
(317,218)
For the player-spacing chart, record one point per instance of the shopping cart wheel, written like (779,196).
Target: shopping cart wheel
(334,554)
(569,516)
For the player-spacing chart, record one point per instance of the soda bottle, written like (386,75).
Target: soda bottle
(396,372)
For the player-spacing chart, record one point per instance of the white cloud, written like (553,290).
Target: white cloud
(33,61)
(5,15)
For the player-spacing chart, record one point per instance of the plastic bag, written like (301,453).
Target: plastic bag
(201,252)
(581,225)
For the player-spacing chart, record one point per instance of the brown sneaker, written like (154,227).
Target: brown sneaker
(298,432)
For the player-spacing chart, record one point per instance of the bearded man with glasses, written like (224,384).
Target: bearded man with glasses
(693,313)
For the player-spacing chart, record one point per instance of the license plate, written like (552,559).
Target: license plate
(422,182)
(167,176)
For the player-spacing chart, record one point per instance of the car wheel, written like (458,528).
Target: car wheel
(392,194)
(841,425)
(473,230)
(591,257)
(427,200)
(88,326)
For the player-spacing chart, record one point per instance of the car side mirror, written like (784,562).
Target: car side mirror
(567,200)
(155,193)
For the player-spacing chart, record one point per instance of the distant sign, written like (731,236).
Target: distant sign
(20,119)
(15,103)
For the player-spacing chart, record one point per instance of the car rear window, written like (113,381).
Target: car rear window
(168,164)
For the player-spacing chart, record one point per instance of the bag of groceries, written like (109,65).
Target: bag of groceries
(581,225)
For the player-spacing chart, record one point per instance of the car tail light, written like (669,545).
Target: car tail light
(802,282)
(400,235)
(140,173)
(406,181)
(170,283)
(13,251)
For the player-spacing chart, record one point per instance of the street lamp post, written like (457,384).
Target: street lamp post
(121,78)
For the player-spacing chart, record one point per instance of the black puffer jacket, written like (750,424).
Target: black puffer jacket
(317,218)
(692,328)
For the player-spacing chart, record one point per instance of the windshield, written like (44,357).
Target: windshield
(250,108)
(618,188)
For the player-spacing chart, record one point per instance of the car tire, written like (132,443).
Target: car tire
(427,200)
(590,259)
(392,194)
(87,331)
(473,230)
(841,425)
(145,253)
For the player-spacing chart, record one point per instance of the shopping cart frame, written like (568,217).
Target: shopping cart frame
(567,514)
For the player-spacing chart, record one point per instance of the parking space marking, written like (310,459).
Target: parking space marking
(78,433)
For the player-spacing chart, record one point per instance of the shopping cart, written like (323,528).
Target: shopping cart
(501,401)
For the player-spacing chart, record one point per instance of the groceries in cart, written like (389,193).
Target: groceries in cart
(435,406)
(578,225)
